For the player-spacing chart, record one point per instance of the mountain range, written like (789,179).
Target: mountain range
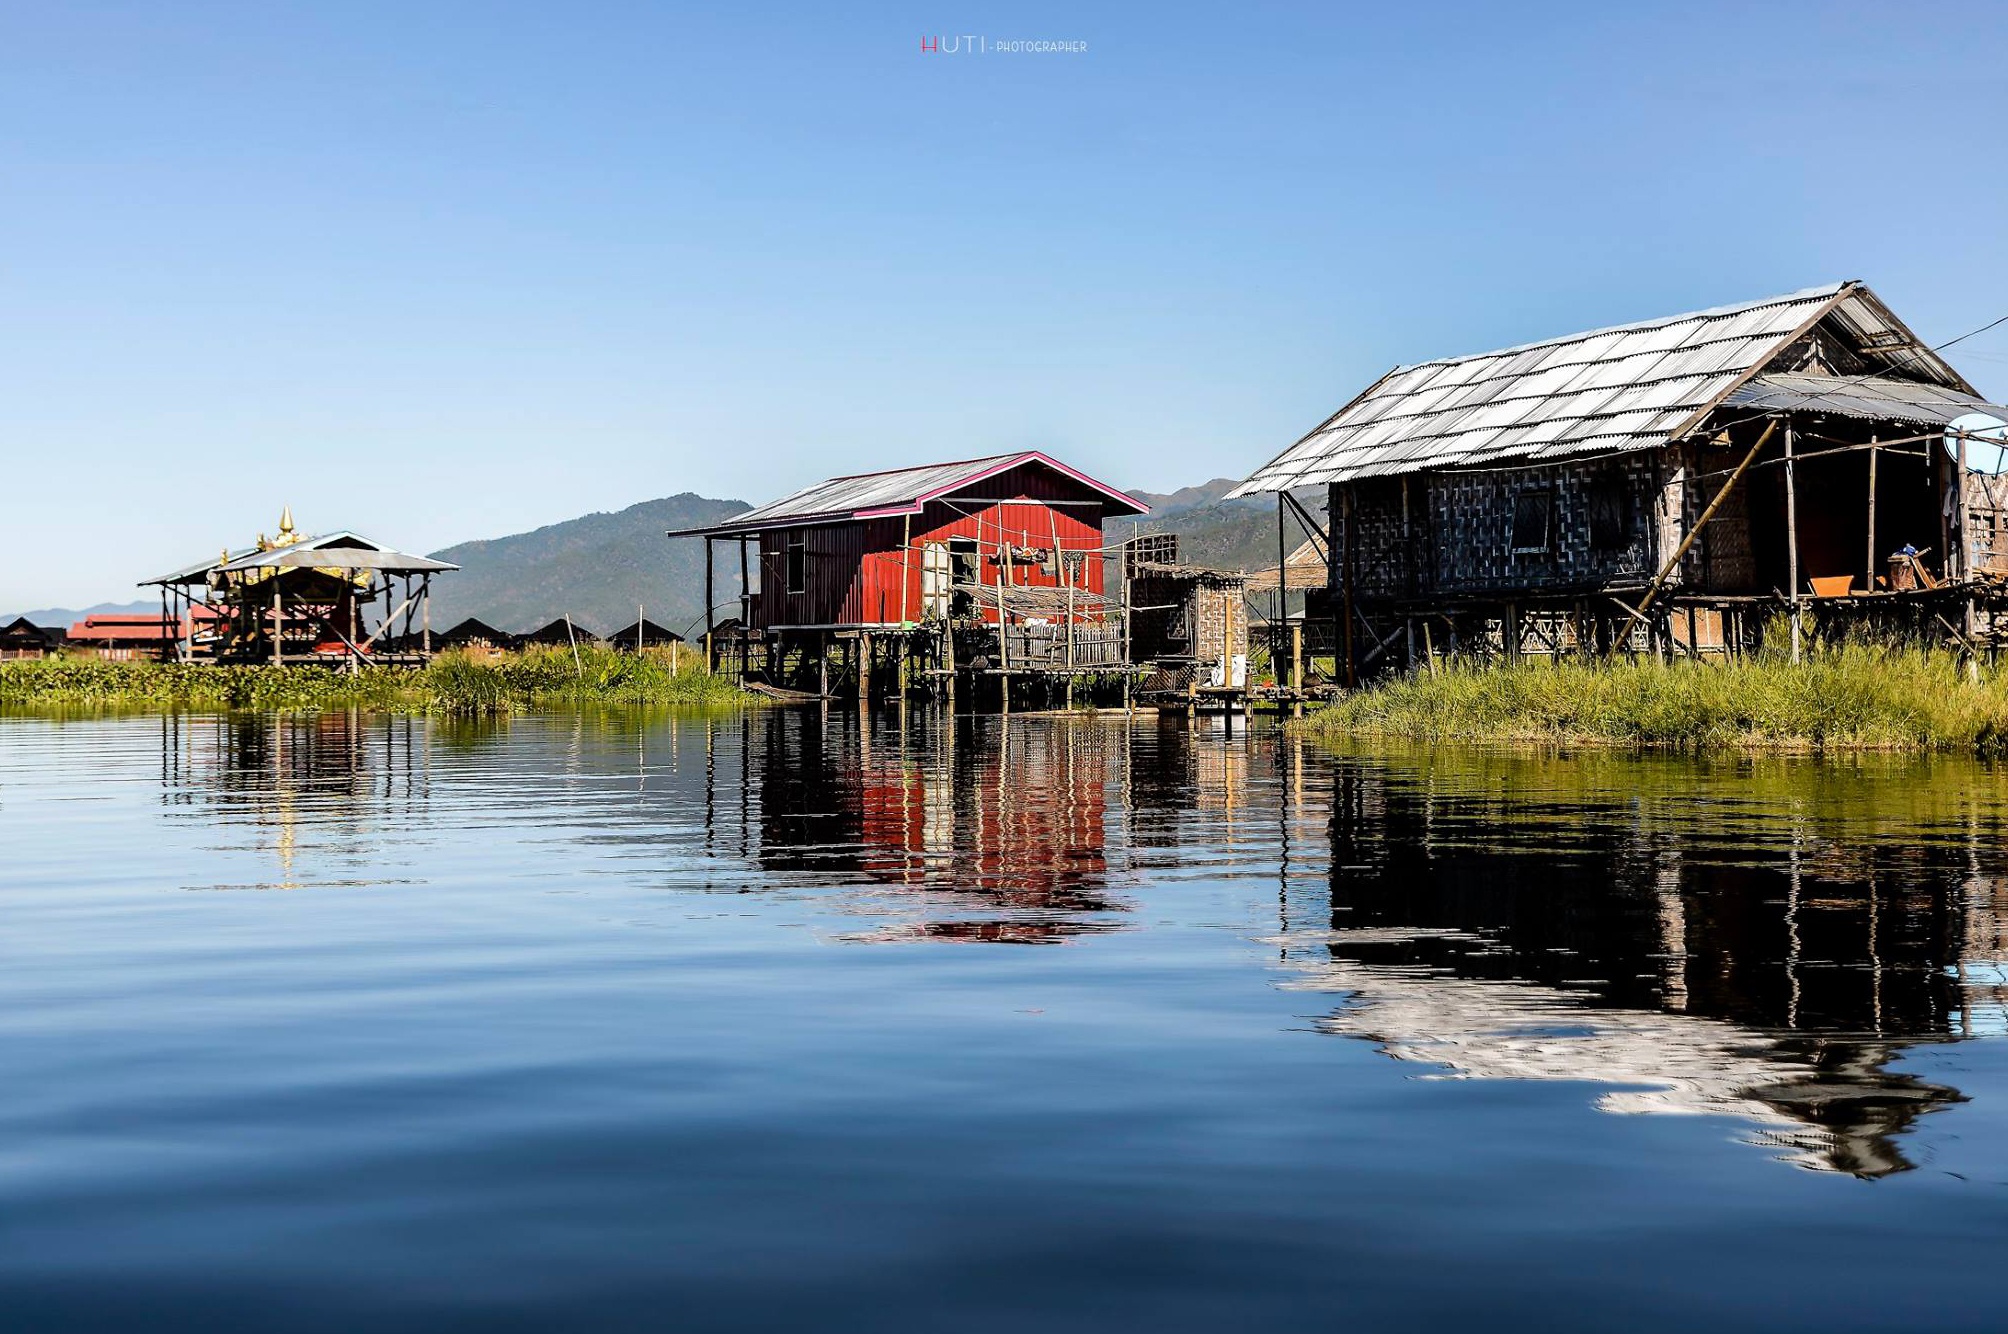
(600,568)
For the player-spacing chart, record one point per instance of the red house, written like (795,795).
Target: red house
(1010,540)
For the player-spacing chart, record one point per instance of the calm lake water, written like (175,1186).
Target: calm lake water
(628,1021)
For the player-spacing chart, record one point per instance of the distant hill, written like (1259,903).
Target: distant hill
(1224,534)
(596,569)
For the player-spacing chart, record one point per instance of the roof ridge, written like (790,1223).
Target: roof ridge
(923,467)
(1636,326)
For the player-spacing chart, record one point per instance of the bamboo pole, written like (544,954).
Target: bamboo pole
(1283,583)
(745,606)
(1128,650)
(1959,514)
(1297,656)
(278,624)
(1673,561)
(425,613)
(1792,537)
(709,602)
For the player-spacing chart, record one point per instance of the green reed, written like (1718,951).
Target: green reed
(1853,696)
(452,683)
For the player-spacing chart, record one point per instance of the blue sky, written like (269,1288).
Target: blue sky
(438,272)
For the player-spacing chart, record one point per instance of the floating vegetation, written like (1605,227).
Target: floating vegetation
(1853,696)
(454,683)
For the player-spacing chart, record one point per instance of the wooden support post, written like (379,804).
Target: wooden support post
(1297,656)
(278,624)
(1282,592)
(709,602)
(823,665)
(1792,536)
(745,606)
(948,654)
(1509,632)
(906,592)
(425,616)
(1003,638)
(1352,677)
(864,650)
(355,657)
(1960,516)
(1128,650)
(1870,585)
(1721,494)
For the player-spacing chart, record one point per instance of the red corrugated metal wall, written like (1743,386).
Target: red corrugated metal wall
(858,574)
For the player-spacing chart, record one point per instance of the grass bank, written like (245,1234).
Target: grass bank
(453,683)
(1851,697)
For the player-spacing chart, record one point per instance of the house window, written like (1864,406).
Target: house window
(798,563)
(1610,513)
(934,581)
(1533,522)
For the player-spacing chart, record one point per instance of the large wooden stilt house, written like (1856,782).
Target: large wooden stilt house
(1672,485)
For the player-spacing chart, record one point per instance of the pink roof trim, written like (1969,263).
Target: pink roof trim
(969,479)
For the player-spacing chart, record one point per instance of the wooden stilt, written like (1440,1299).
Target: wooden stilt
(1870,583)
(1792,536)
(1346,610)
(709,603)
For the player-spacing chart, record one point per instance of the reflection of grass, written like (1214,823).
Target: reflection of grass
(1853,697)
(454,683)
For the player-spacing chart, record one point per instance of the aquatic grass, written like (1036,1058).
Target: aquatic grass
(452,683)
(1854,696)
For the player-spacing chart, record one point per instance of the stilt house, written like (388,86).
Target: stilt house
(1012,542)
(1675,482)
(339,598)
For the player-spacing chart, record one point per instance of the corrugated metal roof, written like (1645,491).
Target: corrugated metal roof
(1633,386)
(343,550)
(899,491)
(1875,398)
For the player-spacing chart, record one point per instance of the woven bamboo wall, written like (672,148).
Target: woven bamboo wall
(1456,536)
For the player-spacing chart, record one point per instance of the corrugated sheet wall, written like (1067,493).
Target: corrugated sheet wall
(857,574)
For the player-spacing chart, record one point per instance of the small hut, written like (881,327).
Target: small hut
(643,634)
(1190,623)
(339,598)
(475,633)
(561,633)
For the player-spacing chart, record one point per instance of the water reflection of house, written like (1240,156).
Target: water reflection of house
(300,779)
(1613,941)
(1006,834)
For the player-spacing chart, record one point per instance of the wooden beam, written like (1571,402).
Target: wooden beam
(1792,537)
(1673,561)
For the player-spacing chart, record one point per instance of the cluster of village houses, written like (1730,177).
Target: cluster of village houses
(1669,486)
